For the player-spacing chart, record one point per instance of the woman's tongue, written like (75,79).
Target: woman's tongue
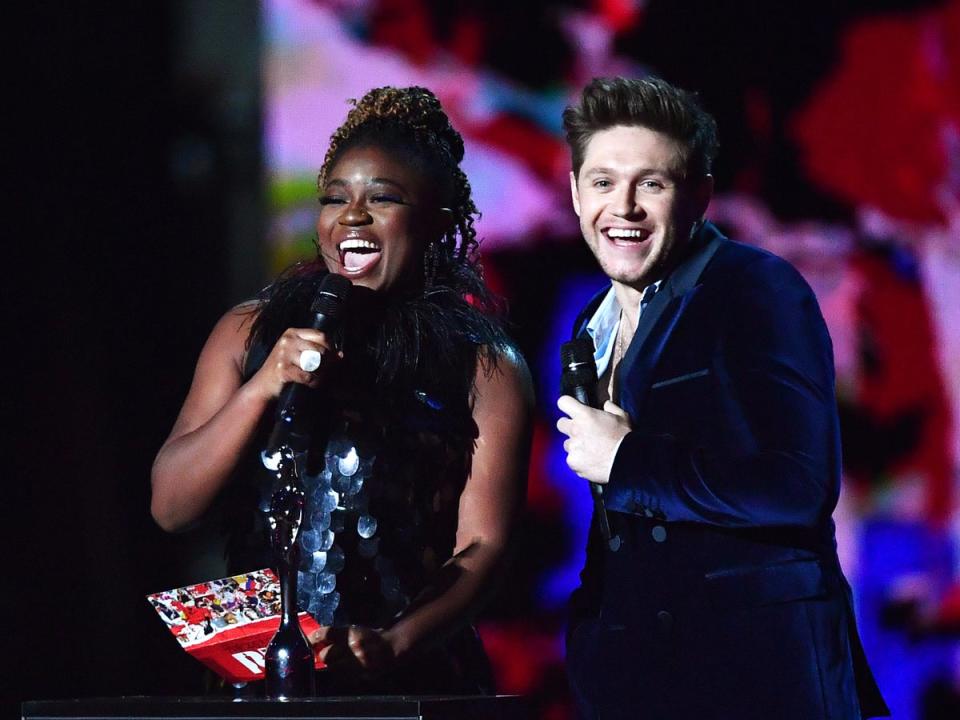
(357,261)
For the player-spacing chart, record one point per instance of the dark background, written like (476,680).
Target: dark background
(121,267)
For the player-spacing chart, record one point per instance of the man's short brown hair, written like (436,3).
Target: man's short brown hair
(648,102)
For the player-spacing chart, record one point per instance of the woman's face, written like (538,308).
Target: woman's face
(376,215)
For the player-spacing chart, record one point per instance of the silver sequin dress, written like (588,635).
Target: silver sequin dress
(383,478)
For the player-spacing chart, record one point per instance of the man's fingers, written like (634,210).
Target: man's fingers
(565,425)
(614,409)
(570,406)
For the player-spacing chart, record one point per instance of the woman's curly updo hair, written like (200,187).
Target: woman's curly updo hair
(449,322)
(411,123)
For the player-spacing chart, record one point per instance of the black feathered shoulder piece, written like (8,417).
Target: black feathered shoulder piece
(431,339)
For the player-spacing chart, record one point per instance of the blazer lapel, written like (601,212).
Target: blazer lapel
(660,318)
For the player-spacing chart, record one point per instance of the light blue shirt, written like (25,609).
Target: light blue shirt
(603,328)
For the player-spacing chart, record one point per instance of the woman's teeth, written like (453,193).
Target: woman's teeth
(358,244)
(358,255)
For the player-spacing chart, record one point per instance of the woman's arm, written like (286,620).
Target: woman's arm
(490,504)
(220,416)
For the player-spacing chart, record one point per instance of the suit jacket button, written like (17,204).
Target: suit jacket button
(665,620)
(614,543)
(659,533)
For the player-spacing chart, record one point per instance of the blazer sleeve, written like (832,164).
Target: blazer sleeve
(783,467)
(585,599)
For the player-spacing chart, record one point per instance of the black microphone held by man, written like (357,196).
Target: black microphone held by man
(579,380)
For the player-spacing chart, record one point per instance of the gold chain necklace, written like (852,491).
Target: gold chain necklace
(617,357)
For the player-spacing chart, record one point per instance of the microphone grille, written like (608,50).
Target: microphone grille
(330,295)
(576,351)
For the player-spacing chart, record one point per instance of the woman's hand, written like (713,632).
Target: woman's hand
(222,413)
(353,648)
(282,365)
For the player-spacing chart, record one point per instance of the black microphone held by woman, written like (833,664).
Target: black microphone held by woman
(327,311)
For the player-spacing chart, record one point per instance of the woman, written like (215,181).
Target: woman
(421,425)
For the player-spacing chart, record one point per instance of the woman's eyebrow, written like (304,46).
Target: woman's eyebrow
(386,181)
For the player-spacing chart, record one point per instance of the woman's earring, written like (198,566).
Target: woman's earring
(431,261)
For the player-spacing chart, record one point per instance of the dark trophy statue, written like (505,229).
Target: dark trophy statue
(289,657)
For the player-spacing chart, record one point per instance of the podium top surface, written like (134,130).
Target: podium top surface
(397,707)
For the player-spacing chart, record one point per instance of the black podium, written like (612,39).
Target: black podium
(412,707)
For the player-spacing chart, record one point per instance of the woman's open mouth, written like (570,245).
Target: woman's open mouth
(358,256)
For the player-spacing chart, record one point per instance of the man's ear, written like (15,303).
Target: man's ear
(574,193)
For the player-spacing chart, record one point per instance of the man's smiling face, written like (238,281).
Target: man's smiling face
(636,210)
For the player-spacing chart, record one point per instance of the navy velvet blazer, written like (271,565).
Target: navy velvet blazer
(720,594)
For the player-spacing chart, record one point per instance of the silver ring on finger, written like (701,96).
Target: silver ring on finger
(310,360)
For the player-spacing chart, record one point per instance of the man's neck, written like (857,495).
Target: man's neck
(628,298)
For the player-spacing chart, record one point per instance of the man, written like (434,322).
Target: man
(718,593)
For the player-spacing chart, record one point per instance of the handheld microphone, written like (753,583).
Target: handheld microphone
(327,311)
(579,380)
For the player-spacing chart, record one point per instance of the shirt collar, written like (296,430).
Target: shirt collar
(603,326)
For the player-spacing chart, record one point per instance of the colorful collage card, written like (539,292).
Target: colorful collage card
(227,624)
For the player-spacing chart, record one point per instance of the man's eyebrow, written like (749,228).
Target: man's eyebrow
(599,171)
(642,171)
